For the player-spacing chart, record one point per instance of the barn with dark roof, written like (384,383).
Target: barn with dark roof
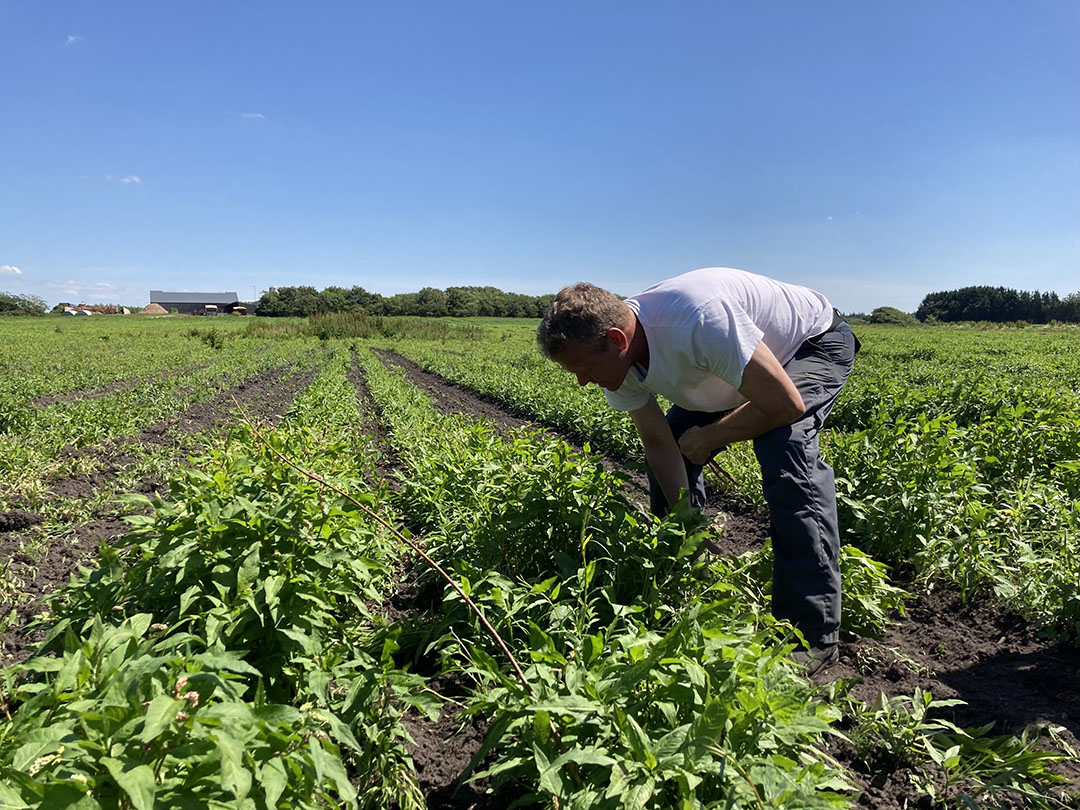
(196,303)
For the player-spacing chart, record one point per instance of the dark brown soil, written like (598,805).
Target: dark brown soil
(16,519)
(443,750)
(982,654)
(37,578)
(386,460)
(265,396)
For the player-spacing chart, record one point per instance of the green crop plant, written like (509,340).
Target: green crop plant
(125,717)
(705,715)
(870,600)
(248,554)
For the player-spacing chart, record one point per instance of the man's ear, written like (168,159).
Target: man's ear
(618,337)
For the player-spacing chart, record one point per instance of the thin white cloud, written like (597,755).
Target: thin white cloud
(73,38)
(252,115)
(131,178)
(9,269)
(75,291)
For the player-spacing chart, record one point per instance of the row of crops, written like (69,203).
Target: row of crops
(246,646)
(123,380)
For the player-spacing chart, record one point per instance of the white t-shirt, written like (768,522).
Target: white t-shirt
(702,328)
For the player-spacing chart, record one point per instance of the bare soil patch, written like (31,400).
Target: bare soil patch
(983,654)
(443,750)
(386,460)
(15,519)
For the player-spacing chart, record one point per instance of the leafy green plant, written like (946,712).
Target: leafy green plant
(707,715)
(124,717)
(247,554)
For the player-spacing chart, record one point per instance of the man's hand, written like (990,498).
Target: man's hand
(697,444)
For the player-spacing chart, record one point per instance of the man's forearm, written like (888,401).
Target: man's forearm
(748,421)
(669,468)
(772,401)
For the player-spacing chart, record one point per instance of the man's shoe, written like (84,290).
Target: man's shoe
(817,658)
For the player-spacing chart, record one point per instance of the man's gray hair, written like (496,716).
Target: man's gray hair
(582,313)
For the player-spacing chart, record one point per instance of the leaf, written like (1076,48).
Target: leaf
(306,642)
(10,799)
(26,754)
(159,715)
(637,798)
(591,648)
(223,660)
(327,764)
(542,727)
(635,738)
(271,587)
(249,570)
(68,676)
(550,780)
(273,779)
(234,777)
(138,782)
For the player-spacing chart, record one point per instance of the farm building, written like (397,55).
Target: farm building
(196,303)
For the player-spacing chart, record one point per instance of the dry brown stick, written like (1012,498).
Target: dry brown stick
(314,476)
(716,466)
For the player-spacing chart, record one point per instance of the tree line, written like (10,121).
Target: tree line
(15,304)
(1000,305)
(430,302)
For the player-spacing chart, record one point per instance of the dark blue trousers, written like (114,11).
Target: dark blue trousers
(798,486)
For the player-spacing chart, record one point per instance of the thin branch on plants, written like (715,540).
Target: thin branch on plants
(323,482)
(717,468)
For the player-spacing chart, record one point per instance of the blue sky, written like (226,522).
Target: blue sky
(874,151)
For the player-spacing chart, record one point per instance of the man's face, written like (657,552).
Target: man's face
(605,365)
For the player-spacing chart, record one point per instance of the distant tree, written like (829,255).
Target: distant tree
(1069,311)
(462,302)
(15,304)
(290,302)
(431,303)
(402,304)
(997,304)
(360,300)
(541,304)
(334,299)
(892,315)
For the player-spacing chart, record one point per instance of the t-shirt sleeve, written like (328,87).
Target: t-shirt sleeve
(629,396)
(723,340)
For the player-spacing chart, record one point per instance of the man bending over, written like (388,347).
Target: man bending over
(741,356)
